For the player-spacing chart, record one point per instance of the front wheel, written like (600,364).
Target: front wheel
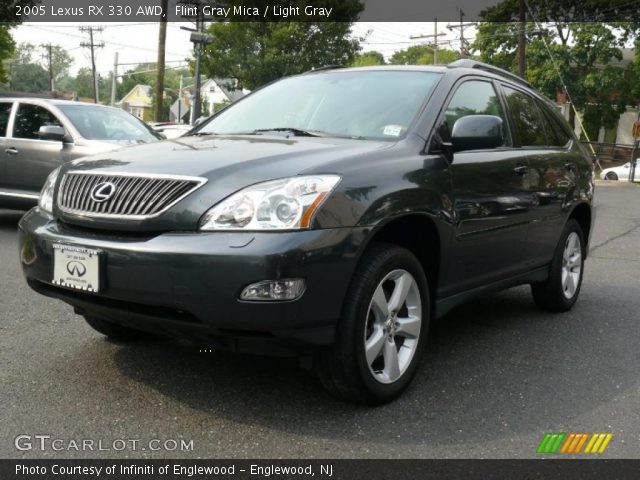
(560,291)
(384,324)
(611,176)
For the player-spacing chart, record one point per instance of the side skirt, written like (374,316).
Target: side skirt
(444,305)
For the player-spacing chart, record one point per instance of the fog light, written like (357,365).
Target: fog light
(274,290)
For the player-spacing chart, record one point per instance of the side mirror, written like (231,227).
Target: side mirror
(54,133)
(477,132)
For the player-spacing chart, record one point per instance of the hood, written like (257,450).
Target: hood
(227,163)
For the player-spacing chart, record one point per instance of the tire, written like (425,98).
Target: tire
(377,374)
(115,331)
(611,176)
(560,291)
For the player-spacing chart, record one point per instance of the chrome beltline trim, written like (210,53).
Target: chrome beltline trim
(30,196)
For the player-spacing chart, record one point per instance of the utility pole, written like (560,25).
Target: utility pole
(114,80)
(435,43)
(522,40)
(199,39)
(180,101)
(462,26)
(162,43)
(92,45)
(462,49)
(49,49)
(195,112)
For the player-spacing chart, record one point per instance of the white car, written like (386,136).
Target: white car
(621,172)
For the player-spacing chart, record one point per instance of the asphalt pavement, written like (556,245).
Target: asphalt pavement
(499,374)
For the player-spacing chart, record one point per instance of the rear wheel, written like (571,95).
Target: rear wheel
(384,324)
(561,290)
(115,331)
(611,176)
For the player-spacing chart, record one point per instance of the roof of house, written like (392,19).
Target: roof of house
(226,85)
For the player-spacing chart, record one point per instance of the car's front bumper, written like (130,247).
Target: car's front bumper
(188,284)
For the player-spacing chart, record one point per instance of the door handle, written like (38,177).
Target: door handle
(521,169)
(11,151)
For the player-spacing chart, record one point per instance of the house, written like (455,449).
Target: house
(138,102)
(217,93)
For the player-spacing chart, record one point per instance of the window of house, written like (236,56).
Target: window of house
(527,119)
(30,118)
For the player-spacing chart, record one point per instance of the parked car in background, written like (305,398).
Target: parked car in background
(621,173)
(170,130)
(38,135)
(318,217)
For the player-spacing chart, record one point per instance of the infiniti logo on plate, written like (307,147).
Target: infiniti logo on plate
(76,269)
(103,192)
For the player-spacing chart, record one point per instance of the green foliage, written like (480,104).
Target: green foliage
(7,46)
(258,53)
(25,74)
(586,54)
(422,55)
(83,83)
(367,59)
(61,63)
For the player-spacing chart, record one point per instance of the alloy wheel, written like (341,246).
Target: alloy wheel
(571,265)
(393,326)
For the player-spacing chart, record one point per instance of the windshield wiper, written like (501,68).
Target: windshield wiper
(305,133)
(298,132)
(201,134)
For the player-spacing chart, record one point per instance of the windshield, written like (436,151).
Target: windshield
(98,123)
(374,104)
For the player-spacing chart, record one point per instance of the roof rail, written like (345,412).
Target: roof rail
(468,63)
(325,67)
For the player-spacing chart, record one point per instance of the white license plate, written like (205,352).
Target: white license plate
(76,267)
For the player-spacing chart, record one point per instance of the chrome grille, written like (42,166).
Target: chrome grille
(129,196)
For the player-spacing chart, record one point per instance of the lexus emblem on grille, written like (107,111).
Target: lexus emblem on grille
(103,192)
(76,269)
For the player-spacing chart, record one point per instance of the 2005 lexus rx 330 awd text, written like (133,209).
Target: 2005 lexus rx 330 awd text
(331,215)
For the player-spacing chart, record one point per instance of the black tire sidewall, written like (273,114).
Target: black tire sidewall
(556,270)
(381,260)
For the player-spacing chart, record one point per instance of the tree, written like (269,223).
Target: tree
(83,83)
(366,59)
(7,46)
(61,63)
(422,55)
(259,52)
(26,75)
(583,53)
(8,20)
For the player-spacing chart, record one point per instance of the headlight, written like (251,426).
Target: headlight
(285,204)
(46,195)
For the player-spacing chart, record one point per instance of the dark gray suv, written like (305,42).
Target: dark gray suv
(331,215)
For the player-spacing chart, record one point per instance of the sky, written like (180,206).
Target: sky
(137,42)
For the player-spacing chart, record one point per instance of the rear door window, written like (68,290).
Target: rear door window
(557,133)
(5,113)
(30,118)
(527,118)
